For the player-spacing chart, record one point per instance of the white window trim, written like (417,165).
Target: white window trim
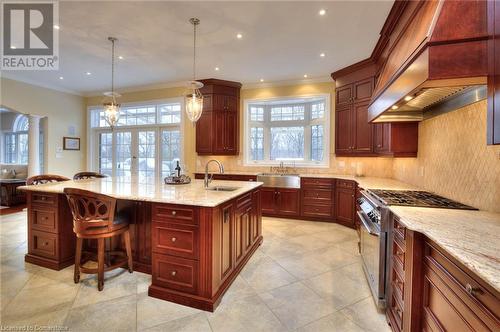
(93,133)
(246,133)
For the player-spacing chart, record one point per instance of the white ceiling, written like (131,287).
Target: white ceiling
(281,41)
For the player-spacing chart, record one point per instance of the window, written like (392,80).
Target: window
(287,129)
(16,142)
(146,142)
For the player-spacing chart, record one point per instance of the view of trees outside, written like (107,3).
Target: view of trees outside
(171,141)
(287,143)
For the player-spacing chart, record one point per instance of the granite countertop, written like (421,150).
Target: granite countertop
(472,237)
(153,190)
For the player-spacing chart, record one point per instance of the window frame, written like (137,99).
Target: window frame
(93,133)
(267,124)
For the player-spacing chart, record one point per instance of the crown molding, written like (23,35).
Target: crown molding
(12,77)
(257,85)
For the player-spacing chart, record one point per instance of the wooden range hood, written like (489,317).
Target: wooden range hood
(428,52)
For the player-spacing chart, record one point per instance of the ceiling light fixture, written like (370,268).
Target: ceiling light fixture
(239,36)
(322,55)
(61,78)
(13,47)
(56,27)
(216,68)
(120,57)
(88,73)
(193,97)
(262,80)
(394,107)
(408,98)
(111,106)
(322,12)
(305,75)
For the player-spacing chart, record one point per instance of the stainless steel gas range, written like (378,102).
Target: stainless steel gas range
(374,218)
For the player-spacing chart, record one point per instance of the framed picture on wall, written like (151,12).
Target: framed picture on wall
(71,143)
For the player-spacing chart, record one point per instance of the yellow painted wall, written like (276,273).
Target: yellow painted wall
(62,110)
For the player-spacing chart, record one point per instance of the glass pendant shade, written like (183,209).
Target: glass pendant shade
(111,108)
(194,101)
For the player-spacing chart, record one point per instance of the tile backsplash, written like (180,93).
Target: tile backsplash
(454,160)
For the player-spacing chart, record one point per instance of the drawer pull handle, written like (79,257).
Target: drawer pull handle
(173,273)
(45,243)
(399,253)
(174,239)
(43,198)
(473,291)
(174,213)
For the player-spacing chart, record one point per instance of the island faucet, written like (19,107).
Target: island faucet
(209,179)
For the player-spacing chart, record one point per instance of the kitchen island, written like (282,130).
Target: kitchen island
(193,241)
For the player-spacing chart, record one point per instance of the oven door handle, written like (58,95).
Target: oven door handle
(369,229)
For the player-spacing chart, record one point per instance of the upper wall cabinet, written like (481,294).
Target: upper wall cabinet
(217,131)
(493,128)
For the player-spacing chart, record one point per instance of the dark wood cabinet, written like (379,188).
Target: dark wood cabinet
(493,121)
(345,201)
(230,177)
(217,131)
(317,198)
(362,136)
(343,129)
(280,202)
(399,139)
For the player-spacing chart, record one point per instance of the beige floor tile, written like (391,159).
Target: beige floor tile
(14,281)
(334,257)
(266,275)
(365,314)
(114,315)
(152,311)
(303,266)
(117,283)
(342,287)
(246,314)
(37,301)
(296,305)
(238,289)
(45,277)
(335,322)
(336,235)
(49,318)
(143,282)
(309,242)
(194,323)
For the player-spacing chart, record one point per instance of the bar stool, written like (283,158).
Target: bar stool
(94,218)
(45,178)
(88,175)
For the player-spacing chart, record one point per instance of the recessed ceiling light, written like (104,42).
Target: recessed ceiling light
(322,55)
(408,98)
(61,78)
(88,73)
(305,75)
(120,57)
(239,36)
(322,12)
(394,107)
(217,68)
(262,80)
(56,27)
(13,47)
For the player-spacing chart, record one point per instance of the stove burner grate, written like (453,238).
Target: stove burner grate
(417,199)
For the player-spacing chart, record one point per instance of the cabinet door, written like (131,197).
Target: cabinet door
(344,204)
(362,90)
(231,136)
(231,104)
(343,130)
(204,133)
(226,241)
(256,216)
(363,130)
(343,95)
(219,132)
(242,232)
(268,200)
(288,202)
(382,135)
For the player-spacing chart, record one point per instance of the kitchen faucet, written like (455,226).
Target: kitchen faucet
(207,179)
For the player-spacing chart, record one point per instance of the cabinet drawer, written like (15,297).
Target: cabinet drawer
(313,196)
(44,198)
(43,219)
(398,256)
(397,312)
(398,284)
(174,213)
(44,244)
(322,211)
(469,290)
(175,273)
(317,182)
(399,230)
(175,239)
(346,184)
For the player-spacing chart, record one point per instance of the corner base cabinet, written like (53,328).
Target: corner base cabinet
(280,202)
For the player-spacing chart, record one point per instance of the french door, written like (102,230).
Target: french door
(142,152)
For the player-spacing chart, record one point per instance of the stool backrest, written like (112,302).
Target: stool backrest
(91,211)
(88,175)
(45,178)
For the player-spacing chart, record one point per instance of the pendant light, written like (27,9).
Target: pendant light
(193,97)
(110,105)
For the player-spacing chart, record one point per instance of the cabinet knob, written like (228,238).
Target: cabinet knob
(44,198)
(174,239)
(45,243)
(378,145)
(173,273)
(473,291)
(174,213)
